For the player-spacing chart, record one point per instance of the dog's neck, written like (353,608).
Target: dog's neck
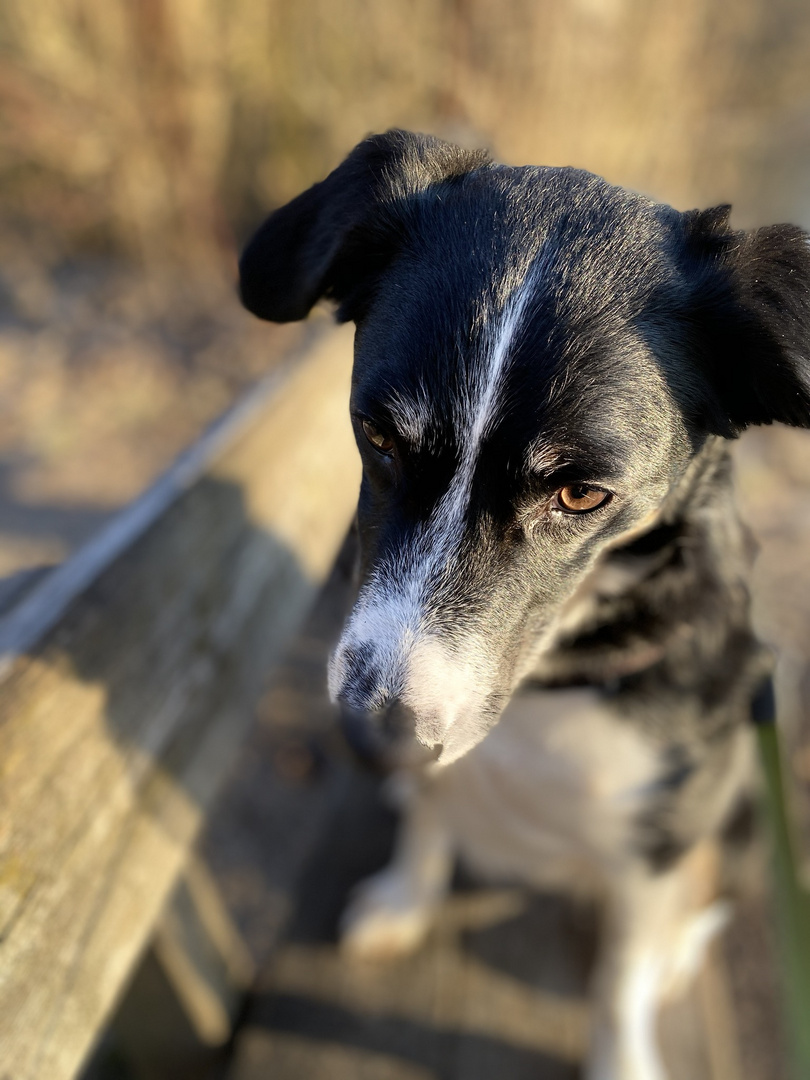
(671,604)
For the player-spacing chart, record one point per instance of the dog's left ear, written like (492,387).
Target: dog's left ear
(752,304)
(335,239)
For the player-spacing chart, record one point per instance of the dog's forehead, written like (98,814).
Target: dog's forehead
(513,286)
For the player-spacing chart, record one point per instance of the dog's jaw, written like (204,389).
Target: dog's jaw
(447,690)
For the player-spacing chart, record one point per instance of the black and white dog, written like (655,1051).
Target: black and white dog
(547,369)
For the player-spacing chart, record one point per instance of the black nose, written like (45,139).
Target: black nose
(364,688)
(385,740)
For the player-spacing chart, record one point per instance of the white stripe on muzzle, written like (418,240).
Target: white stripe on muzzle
(444,682)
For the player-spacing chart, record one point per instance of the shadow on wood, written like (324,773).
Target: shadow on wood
(128,691)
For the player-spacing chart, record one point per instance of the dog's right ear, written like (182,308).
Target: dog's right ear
(337,237)
(751,309)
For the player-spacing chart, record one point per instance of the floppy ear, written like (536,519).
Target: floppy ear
(753,306)
(334,239)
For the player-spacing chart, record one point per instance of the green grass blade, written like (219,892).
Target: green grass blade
(792,904)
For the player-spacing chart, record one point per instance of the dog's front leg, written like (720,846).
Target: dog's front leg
(390,913)
(657,928)
(625,1003)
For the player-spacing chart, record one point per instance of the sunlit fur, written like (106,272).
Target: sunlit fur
(585,679)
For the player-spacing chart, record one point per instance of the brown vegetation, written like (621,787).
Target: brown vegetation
(141,139)
(156,126)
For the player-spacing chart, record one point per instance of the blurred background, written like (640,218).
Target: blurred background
(142,140)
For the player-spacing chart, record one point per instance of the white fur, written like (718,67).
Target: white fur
(692,944)
(390,913)
(548,795)
(534,802)
(638,1004)
(442,683)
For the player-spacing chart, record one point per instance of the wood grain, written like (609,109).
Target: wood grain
(118,726)
(202,955)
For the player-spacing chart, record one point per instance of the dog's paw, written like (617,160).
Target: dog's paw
(691,947)
(613,1061)
(600,1070)
(383,919)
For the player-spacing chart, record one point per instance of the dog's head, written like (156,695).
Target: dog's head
(540,357)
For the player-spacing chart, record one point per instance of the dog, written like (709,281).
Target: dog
(553,602)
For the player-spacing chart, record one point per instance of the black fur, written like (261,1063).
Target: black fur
(650,333)
(335,238)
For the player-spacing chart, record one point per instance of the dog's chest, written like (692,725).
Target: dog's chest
(556,786)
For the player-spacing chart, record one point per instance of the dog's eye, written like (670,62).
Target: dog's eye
(579,498)
(383,443)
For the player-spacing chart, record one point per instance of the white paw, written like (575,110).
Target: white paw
(383,919)
(615,1065)
(691,946)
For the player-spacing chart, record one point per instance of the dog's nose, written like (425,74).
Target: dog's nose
(358,682)
(385,740)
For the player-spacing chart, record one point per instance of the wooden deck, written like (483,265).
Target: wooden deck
(129,677)
(498,992)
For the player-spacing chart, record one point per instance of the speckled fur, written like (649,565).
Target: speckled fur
(585,681)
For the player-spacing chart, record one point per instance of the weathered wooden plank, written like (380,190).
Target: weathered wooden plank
(499,990)
(26,624)
(288,779)
(203,956)
(117,728)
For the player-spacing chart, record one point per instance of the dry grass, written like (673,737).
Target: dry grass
(103,381)
(95,400)
(157,126)
(157,131)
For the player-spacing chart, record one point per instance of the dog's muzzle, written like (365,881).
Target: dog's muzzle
(384,741)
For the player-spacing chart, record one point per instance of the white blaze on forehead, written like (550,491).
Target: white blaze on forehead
(474,416)
(390,615)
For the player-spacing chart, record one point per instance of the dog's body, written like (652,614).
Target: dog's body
(546,371)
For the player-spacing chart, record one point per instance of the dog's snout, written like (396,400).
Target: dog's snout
(383,660)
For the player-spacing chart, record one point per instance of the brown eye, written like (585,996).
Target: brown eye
(380,442)
(579,498)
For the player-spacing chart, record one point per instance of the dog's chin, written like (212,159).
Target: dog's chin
(396,738)
(456,744)
(385,741)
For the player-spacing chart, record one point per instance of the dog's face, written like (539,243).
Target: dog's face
(512,419)
(539,358)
